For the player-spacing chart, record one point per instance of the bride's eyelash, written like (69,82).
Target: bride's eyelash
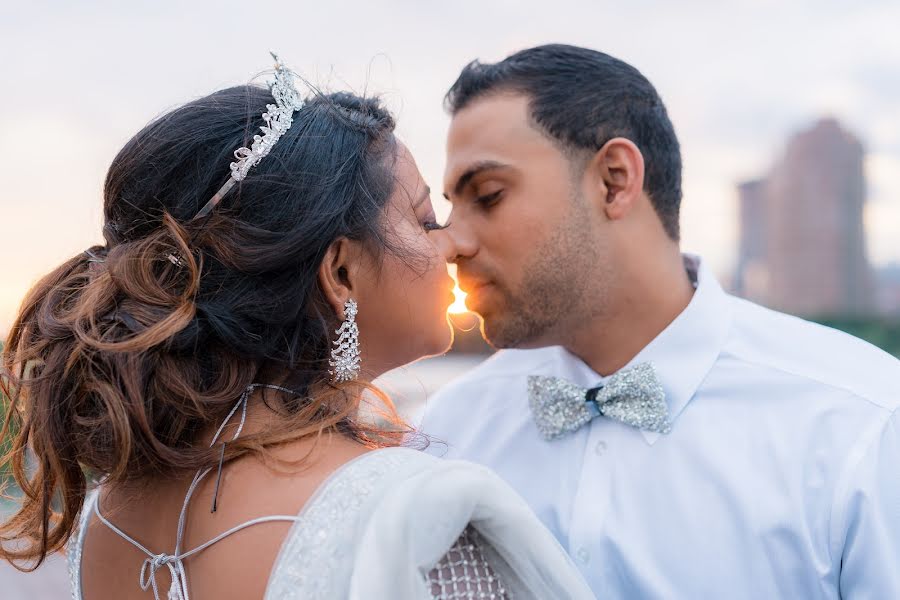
(434,226)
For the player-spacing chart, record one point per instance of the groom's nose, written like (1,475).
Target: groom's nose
(463,238)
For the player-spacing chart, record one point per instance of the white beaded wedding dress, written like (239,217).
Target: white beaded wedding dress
(393,524)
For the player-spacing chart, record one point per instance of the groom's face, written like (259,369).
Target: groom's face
(525,235)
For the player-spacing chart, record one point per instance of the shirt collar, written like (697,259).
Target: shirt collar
(685,351)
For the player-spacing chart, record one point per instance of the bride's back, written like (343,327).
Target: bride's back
(236,567)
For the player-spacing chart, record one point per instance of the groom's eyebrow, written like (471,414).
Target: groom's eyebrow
(471,172)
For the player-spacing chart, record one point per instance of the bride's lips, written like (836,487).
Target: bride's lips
(451,294)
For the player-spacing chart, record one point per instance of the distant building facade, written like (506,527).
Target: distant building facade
(802,242)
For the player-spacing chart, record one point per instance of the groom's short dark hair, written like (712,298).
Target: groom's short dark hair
(583,98)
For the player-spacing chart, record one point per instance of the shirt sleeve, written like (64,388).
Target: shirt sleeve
(870,556)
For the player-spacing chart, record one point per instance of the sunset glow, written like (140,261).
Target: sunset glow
(459,304)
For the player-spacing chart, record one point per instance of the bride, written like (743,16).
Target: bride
(189,391)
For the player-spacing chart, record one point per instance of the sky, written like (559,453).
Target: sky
(738,77)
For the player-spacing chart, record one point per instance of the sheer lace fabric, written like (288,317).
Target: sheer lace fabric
(465,573)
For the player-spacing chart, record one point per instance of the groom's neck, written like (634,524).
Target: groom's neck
(650,292)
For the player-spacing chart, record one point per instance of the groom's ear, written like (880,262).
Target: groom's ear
(338,274)
(618,169)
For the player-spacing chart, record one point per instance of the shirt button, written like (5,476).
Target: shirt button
(600,448)
(584,557)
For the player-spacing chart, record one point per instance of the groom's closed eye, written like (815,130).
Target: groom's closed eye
(488,200)
(465,180)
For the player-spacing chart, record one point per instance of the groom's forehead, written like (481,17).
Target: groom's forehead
(493,129)
(489,120)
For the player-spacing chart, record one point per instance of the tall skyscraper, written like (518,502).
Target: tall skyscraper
(802,238)
(752,273)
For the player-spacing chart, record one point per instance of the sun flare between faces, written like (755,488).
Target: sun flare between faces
(459,304)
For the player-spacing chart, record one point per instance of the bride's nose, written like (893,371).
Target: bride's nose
(446,244)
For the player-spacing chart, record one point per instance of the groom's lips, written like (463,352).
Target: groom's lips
(475,293)
(470,286)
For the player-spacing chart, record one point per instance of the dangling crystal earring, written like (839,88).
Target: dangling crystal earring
(345,354)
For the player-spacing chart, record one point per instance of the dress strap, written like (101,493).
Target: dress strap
(175,562)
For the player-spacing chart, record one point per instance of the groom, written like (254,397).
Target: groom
(678,441)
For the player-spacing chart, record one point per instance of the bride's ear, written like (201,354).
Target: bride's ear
(338,273)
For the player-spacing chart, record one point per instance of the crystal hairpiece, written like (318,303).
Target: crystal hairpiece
(278,118)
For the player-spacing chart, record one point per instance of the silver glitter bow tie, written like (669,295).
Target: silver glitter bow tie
(633,396)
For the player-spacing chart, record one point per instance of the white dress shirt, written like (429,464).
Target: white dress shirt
(780,477)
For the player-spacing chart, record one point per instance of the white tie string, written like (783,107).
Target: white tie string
(178,589)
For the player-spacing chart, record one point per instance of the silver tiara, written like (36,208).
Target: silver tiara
(278,118)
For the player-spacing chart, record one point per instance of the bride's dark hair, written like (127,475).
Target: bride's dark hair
(120,358)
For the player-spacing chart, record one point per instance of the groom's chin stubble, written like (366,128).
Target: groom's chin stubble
(510,330)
